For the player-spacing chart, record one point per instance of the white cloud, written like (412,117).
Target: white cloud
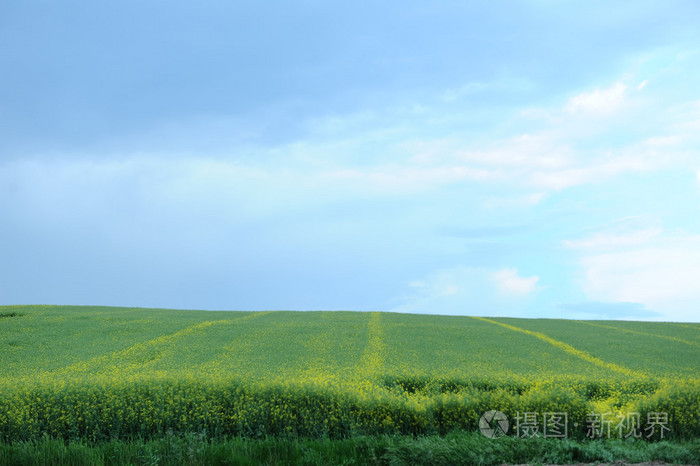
(480,87)
(664,279)
(510,282)
(573,146)
(534,151)
(374,153)
(614,240)
(606,311)
(541,150)
(182,190)
(403,179)
(649,266)
(598,101)
(524,200)
(465,290)
(540,161)
(663,142)
(595,170)
(450,95)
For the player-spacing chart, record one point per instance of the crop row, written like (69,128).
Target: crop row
(128,409)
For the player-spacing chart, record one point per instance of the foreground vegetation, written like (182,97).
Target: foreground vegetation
(136,408)
(452,449)
(148,376)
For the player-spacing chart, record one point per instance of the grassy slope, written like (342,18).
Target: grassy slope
(345,346)
(73,348)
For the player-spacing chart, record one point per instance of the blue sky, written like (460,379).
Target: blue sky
(515,158)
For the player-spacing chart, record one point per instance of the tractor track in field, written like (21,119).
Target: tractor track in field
(143,347)
(637,332)
(568,348)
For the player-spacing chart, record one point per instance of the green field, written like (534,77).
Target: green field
(99,373)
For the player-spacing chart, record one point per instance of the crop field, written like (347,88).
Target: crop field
(99,373)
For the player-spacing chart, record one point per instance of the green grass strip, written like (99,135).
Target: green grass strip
(459,448)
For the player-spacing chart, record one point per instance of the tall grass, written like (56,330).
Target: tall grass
(453,449)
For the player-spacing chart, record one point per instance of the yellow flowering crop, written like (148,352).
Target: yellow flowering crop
(101,373)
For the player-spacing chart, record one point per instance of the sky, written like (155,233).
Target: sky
(515,158)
